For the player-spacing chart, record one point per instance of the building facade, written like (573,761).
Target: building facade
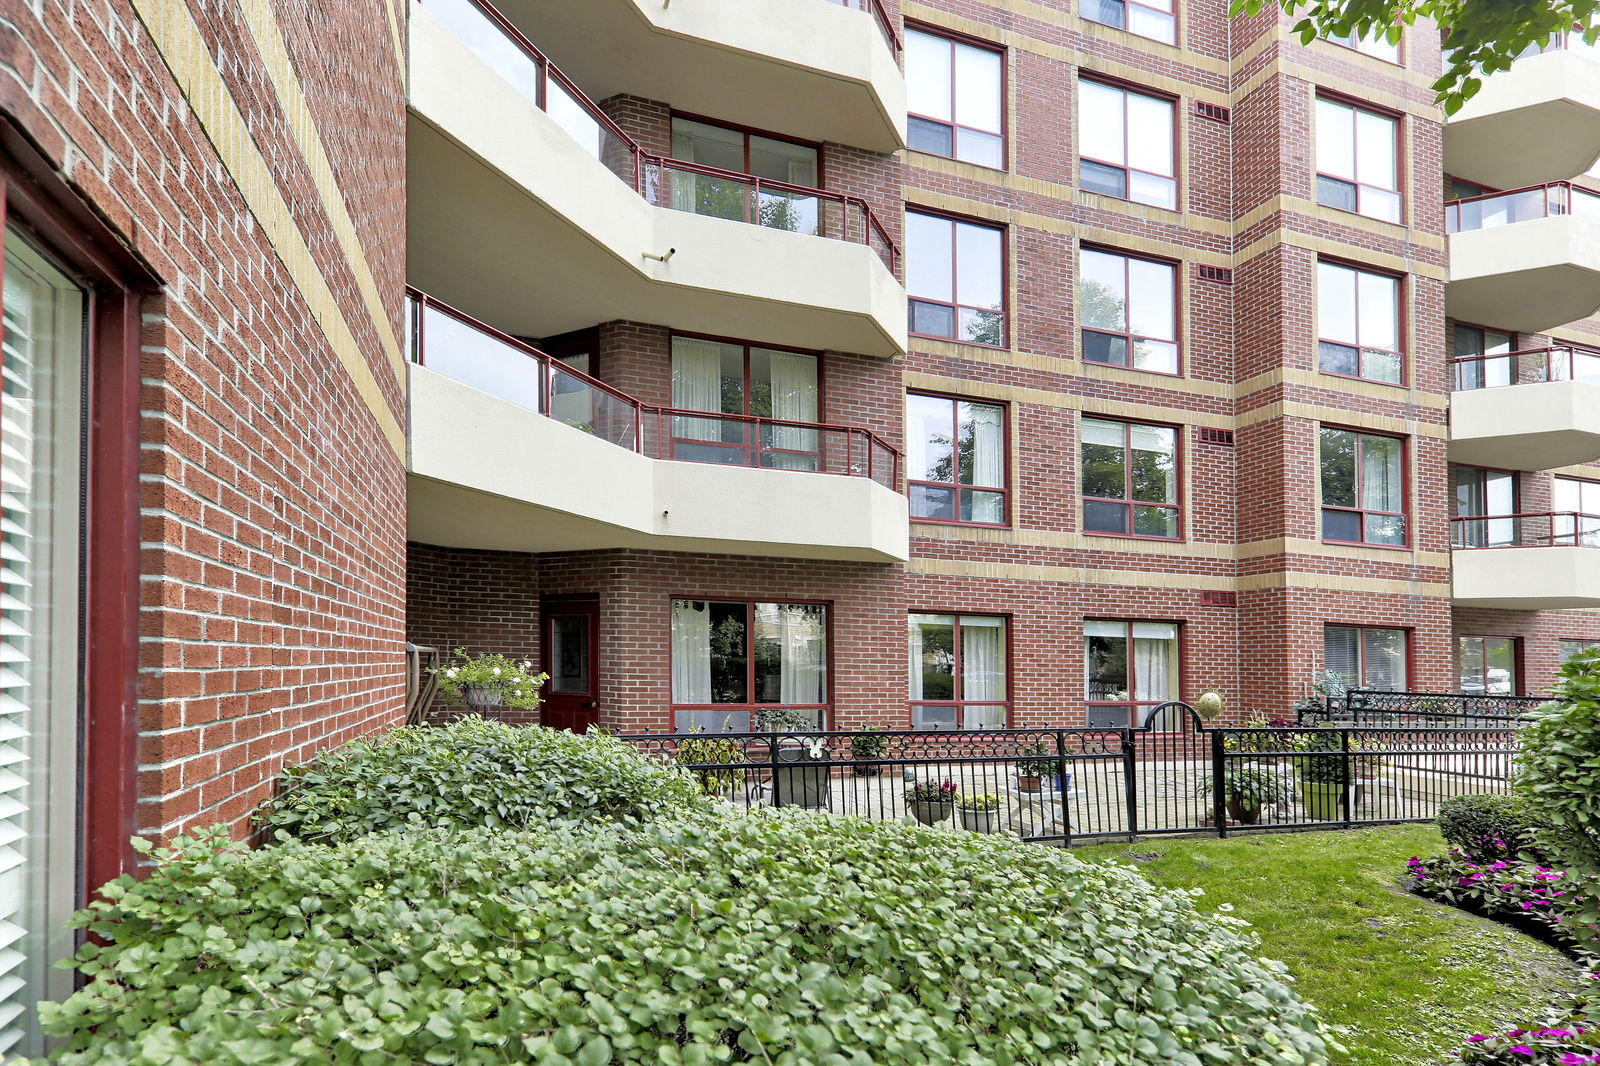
(948,364)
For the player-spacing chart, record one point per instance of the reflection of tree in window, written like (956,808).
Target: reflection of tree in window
(728,674)
(1108,668)
(938,662)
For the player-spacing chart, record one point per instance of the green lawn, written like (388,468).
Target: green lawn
(1405,980)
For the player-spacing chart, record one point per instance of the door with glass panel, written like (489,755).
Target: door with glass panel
(1479,494)
(1487,666)
(741,155)
(1576,520)
(1485,357)
(770,397)
(570,654)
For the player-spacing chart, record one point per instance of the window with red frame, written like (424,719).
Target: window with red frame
(1363,487)
(1129,308)
(1151,18)
(1366,656)
(958,666)
(733,659)
(1358,323)
(1487,666)
(1480,347)
(1481,494)
(1127,144)
(1130,479)
(955,276)
(956,459)
(1130,669)
(955,99)
(1357,160)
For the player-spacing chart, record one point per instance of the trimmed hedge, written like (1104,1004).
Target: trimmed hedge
(1487,825)
(788,938)
(470,773)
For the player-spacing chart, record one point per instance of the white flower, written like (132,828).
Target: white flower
(449,673)
(527,664)
(495,671)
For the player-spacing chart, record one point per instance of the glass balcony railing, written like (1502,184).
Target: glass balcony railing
(663,181)
(1520,205)
(1541,529)
(1524,368)
(456,345)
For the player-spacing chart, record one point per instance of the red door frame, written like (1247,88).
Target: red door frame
(576,711)
(37,199)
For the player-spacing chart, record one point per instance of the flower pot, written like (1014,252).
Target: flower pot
(800,786)
(980,821)
(932,812)
(481,696)
(861,770)
(1323,800)
(1244,812)
(1029,784)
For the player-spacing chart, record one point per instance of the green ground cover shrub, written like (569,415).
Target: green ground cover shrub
(777,937)
(473,772)
(1489,826)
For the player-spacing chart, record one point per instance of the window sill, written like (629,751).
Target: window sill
(963,162)
(960,523)
(1402,385)
(954,340)
(1402,225)
(1134,536)
(1131,369)
(1366,544)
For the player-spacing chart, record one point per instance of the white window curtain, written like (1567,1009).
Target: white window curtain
(1385,659)
(691,651)
(1155,661)
(1380,473)
(794,397)
(1341,653)
(801,634)
(696,386)
(988,446)
(983,659)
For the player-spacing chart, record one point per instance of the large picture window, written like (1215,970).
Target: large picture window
(1129,308)
(1356,160)
(1366,656)
(956,459)
(1479,346)
(1127,147)
(955,99)
(955,276)
(1576,503)
(1130,479)
(744,380)
(1478,493)
(1363,492)
(743,152)
(1131,668)
(1568,649)
(730,659)
(1377,45)
(958,671)
(1358,323)
(1148,18)
(1487,666)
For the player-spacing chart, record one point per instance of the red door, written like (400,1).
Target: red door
(571,657)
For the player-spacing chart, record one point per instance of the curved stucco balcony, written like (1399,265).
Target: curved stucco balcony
(818,70)
(1528,410)
(1527,562)
(1527,259)
(1537,122)
(527,207)
(511,450)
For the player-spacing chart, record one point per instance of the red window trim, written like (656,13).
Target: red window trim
(1516,487)
(1400,51)
(957,307)
(1127,480)
(1361,649)
(34,197)
(1005,462)
(1405,490)
(1136,705)
(751,131)
(1394,117)
(825,707)
(1127,285)
(959,703)
(1517,688)
(1177,165)
(1400,293)
(1177,22)
(956,127)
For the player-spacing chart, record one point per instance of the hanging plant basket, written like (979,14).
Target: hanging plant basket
(481,696)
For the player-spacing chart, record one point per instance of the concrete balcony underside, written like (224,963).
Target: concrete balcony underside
(808,68)
(1537,122)
(513,221)
(1527,276)
(1538,426)
(486,473)
(1527,579)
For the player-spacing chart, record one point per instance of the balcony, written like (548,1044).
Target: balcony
(512,450)
(819,70)
(1531,410)
(1527,259)
(1538,121)
(1527,562)
(519,184)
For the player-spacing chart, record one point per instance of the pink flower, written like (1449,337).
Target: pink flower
(1521,1049)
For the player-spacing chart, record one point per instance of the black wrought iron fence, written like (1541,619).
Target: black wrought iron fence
(1080,784)
(1376,708)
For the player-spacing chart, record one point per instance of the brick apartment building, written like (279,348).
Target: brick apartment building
(1203,385)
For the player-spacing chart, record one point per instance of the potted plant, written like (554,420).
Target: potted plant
(931,802)
(492,680)
(804,785)
(980,813)
(1031,772)
(1246,788)
(865,747)
(1324,775)
(701,754)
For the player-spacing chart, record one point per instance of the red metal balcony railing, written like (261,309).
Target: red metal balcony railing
(1520,205)
(1558,363)
(460,347)
(881,15)
(1533,529)
(663,181)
